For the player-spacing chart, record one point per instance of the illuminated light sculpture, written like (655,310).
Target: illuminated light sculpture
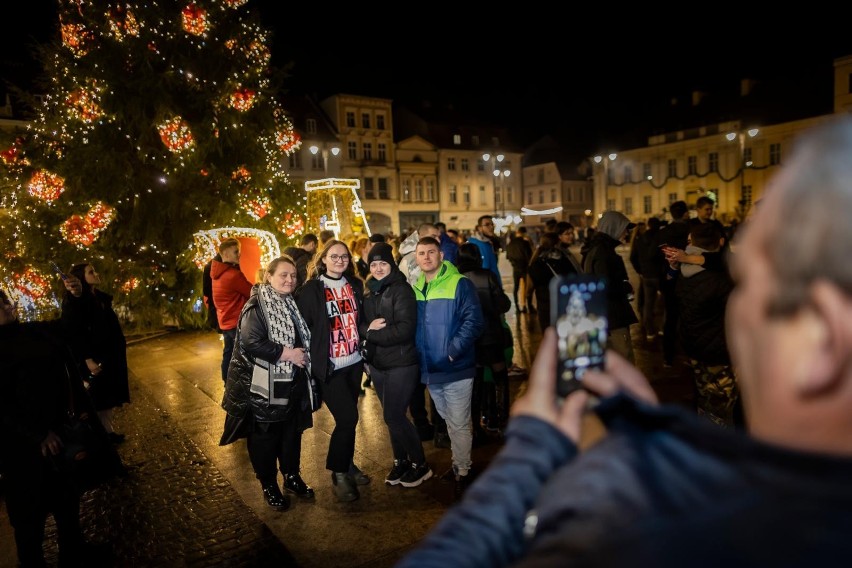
(207,243)
(242,99)
(333,204)
(176,135)
(46,186)
(194,20)
(122,22)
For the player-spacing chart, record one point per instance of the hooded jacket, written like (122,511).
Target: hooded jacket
(231,290)
(391,298)
(449,321)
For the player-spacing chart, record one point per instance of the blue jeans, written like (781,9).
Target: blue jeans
(230,335)
(453,403)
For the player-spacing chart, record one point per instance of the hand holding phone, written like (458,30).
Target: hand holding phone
(578,313)
(58,270)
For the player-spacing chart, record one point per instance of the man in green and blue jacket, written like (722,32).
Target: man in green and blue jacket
(449,320)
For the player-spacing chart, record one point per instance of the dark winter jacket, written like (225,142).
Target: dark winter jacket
(301,258)
(602,259)
(702,299)
(646,258)
(253,343)
(311,301)
(664,488)
(494,303)
(393,300)
(542,269)
(519,252)
(449,321)
(231,289)
(94,332)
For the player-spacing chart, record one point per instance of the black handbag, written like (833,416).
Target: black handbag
(87,458)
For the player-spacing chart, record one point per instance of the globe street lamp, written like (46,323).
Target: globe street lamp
(745,162)
(335,150)
(501,171)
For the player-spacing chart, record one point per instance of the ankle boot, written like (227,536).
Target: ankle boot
(274,497)
(358,476)
(294,484)
(344,487)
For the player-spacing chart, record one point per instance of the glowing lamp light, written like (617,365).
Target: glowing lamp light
(46,186)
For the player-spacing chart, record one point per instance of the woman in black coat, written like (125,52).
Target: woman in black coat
(491,344)
(388,327)
(279,400)
(547,261)
(98,341)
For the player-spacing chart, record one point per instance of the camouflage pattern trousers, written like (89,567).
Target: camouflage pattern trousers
(716,392)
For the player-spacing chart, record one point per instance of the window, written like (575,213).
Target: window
(541,196)
(367,149)
(311,126)
(540,176)
(365,120)
(383,188)
(451,164)
(480,166)
(747,157)
(672,168)
(774,154)
(628,206)
(418,190)
(457,139)
(672,197)
(610,204)
(569,194)
(646,204)
(382,151)
(509,197)
(352,150)
(452,195)
(646,170)
(746,195)
(713,162)
(465,165)
(483,197)
(296,161)
(369,188)
(431,195)
(406,190)
(466,195)
(529,197)
(628,174)
(474,140)
(350,119)
(380,121)
(692,165)
(316,161)
(552,194)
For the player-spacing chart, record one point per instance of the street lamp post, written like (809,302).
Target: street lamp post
(501,171)
(744,163)
(603,186)
(335,150)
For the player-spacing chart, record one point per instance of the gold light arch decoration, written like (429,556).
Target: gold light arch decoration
(333,204)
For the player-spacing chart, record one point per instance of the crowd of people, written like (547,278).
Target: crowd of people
(764,452)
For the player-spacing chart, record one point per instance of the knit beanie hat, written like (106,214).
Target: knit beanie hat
(381,251)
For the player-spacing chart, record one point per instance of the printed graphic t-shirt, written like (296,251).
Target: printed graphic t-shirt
(342,310)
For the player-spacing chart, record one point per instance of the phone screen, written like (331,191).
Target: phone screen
(578,313)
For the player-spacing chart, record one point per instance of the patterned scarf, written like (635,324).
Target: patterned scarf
(281,314)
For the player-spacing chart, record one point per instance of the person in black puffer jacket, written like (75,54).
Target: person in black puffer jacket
(490,345)
(388,330)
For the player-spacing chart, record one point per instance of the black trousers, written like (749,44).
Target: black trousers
(670,324)
(419,414)
(395,387)
(274,446)
(340,393)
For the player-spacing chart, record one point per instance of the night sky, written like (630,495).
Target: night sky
(580,74)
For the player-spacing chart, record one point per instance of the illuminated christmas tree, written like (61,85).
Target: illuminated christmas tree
(160,120)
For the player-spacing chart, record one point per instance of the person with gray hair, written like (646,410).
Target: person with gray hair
(601,258)
(664,488)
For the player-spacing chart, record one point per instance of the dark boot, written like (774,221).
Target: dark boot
(293,483)
(344,487)
(358,476)
(274,497)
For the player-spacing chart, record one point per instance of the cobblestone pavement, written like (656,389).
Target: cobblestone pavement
(189,502)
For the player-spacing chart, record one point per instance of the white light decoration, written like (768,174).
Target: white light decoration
(207,243)
(528,211)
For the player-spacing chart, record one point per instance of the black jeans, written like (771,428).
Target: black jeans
(273,446)
(229,335)
(340,393)
(395,387)
(419,414)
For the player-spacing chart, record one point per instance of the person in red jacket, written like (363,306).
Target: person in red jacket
(231,289)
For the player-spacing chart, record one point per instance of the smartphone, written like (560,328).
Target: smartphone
(58,270)
(578,313)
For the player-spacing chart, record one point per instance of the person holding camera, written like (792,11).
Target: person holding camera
(387,330)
